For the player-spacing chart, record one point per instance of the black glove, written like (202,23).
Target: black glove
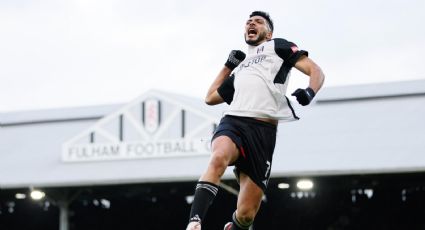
(304,96)
(235,58)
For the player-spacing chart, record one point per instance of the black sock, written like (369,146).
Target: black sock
(236,225)
(204,196)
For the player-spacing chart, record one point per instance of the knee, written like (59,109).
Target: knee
(219,161)
(245,217)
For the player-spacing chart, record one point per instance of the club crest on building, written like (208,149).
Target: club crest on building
(151,110)
(154,125)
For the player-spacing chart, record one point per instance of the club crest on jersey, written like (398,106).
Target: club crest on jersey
(151,115)
(260,50)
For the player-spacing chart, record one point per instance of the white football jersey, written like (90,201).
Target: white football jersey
(257,86)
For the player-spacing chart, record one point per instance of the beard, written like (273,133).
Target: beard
(261,37)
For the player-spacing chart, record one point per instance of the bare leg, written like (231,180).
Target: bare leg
(249,201)
(224,152)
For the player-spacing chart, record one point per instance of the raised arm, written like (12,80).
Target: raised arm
(213,97)
(311,69)
(308,67)
(219,92)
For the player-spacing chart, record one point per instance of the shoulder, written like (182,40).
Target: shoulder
(284,48)
(283,43)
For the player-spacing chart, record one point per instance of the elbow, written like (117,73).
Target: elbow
(319,75)
(317,78)
(209,101)
(322,76)
(212,101)
(211,98)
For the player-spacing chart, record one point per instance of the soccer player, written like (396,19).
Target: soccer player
(254,85)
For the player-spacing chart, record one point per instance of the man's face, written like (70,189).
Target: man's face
(257,31)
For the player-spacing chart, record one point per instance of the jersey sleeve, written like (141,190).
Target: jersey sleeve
(227,89)
(288,51)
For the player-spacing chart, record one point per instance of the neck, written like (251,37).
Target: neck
(258,43)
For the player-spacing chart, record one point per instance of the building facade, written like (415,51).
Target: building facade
(163,139)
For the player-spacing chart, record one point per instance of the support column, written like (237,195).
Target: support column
(63,215)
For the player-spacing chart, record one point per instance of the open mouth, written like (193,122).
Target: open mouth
(252,32)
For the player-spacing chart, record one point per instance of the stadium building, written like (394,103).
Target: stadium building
(355,160)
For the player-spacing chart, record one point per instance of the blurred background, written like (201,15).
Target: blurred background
(103,125)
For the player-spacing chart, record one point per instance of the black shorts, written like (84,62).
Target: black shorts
(256,141)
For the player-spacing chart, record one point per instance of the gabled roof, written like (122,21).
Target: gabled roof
(372,91)
(153,117)
(372,128)
(31,144)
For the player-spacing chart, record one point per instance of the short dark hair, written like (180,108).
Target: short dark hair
(265,15)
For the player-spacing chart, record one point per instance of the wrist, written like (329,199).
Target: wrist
(310,92)
(231,66)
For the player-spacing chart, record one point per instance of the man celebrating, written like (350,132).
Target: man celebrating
(246,135)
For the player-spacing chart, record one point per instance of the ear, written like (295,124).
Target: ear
(269,35)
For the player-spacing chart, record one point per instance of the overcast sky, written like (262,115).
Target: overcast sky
(66,53)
